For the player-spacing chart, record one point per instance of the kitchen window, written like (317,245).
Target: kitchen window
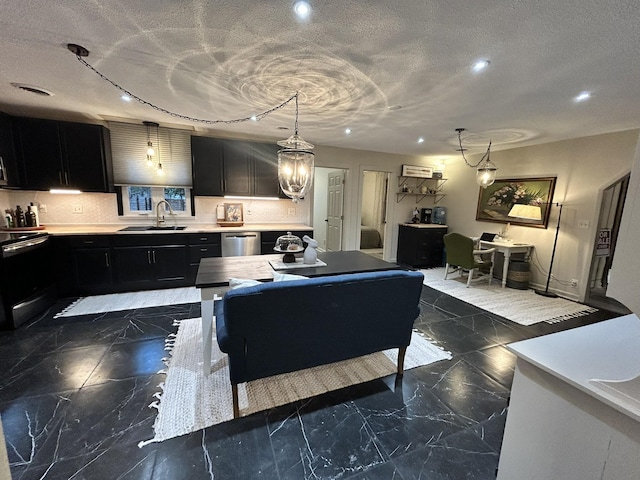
(140,199)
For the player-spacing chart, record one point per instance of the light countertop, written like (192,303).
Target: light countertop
(423,225)
(83,229)
(602,360)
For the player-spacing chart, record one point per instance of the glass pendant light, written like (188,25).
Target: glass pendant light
(150,150)
(295,164)
(486,169)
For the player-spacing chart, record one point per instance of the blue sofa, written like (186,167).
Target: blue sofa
(281,327)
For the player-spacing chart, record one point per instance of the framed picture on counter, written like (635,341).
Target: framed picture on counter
(233,212)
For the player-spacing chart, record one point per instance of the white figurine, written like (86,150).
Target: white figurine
(310,253)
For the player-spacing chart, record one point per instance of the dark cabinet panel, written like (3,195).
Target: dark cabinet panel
(93,272)
(421,247)
(134,267)
(206,157)
(202,245)
(11,175)
(234,167)
(63,154)
(170,263)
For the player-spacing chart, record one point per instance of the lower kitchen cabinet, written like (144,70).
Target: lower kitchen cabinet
(421,245)
(150,261)
(202,245)
(93,272)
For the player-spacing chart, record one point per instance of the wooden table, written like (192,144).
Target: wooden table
(216,271)
(507,249)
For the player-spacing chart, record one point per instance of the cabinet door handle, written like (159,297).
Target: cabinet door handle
(154,256)
(60,177)
(204,239)
(66,178)
(204,249)
(149,256)
(106,259)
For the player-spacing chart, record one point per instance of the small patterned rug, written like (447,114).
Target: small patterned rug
(189,401)
(520,306)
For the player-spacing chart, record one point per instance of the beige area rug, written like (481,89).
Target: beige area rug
(521,306)
(131,300)
(189,401)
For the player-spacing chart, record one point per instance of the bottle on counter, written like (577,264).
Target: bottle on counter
(9,218)
(34,209)
(30,217)
(20,218)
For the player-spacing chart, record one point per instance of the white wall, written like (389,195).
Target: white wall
(584,167)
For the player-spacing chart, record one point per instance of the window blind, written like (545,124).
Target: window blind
(129,154)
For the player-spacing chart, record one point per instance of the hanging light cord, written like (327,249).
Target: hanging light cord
(82,52)
(462,150)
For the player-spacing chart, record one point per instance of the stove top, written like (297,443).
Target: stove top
(7,238)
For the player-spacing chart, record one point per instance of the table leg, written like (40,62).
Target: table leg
(505,266)
(206,308)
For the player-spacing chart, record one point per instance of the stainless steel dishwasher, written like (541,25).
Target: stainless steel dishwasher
(236,244)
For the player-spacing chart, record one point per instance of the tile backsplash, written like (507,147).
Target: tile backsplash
(97,208)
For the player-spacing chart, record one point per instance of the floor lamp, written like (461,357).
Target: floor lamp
(533,212)
(546,292)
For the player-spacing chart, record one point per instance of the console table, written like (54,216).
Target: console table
(507,249)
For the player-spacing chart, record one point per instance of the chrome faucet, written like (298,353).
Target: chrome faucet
(160,221)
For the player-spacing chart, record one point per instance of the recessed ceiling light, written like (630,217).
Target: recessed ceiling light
(394,107)
(582,96)
(33,89)
(125,98)
(480,65)
(421,140)
(302,9)
(282,128)
(254,118)
(347,131)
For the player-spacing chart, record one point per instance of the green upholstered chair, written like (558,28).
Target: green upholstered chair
(462,256)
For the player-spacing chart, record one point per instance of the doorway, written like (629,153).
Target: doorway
(613,199)
(328,208)
(373,216)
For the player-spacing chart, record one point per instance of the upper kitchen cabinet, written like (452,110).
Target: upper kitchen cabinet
(234,167)
(64,155)
(206,156)
(10,176)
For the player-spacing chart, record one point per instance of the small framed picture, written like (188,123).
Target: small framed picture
(417,171)
(233,212)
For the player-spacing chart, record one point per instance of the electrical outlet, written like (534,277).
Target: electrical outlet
(574,282)
(42,208)
(249,211)
(291,211)
(77,209)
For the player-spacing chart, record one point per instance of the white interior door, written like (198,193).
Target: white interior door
(335,210)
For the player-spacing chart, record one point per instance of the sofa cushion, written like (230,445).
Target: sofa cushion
(242,282)
(286,277)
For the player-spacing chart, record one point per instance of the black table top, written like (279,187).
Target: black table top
(216,271)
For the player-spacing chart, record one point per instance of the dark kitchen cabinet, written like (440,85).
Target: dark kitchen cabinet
(206,158)
(83,264)
(234,167)
(10,176)
(57,154)
(421,246)
(202,245)
(150,261)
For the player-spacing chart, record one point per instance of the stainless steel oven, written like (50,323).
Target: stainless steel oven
(27,283)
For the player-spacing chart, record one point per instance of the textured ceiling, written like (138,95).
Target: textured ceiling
(350,61)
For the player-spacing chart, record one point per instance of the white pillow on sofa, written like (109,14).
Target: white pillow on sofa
(242,282)
(286,277)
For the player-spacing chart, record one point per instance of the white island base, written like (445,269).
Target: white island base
(560,424)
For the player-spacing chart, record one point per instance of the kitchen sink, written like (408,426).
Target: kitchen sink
(166,228)
(145,228)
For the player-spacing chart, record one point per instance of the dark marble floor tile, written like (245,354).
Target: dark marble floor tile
(147,327)
(429,314)
(453,336)
(79,335)
(453,307)
(497,362)
(102,416)
(497,331)
(407,417)
(48,373)
(15,344)
(460,456)
(316,442)
(124,462)
(385,471)
(126,360)
(469,393)
(28,422)
(240,450)
(491,430)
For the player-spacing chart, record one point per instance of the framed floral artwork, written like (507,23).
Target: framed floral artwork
(496,202)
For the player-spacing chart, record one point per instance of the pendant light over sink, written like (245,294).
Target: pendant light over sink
(295,164)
